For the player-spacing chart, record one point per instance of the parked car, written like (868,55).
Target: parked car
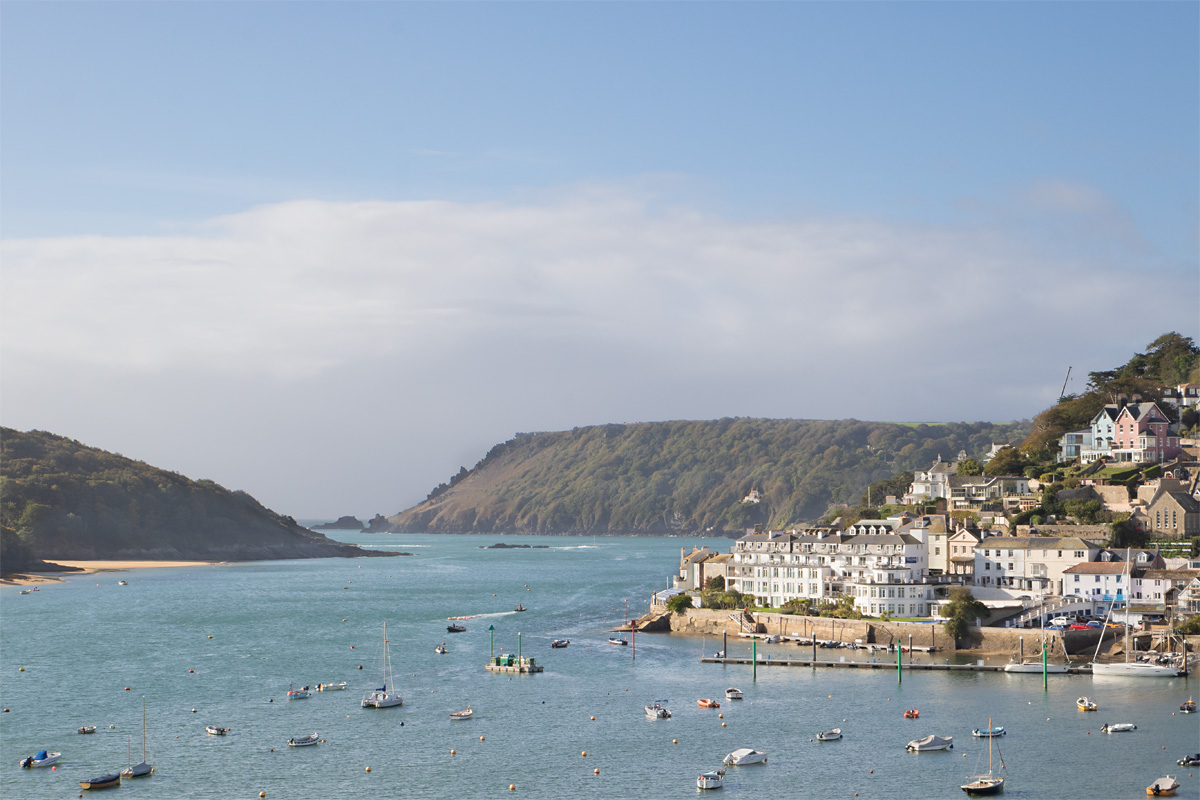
(1056,627)
(1075,626)
(1094,623)
(1064,621)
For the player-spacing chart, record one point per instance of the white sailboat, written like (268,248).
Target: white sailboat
(145,768)
(385,696)
(1129,669)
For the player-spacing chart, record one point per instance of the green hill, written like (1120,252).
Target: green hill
(686,477)
(60,499)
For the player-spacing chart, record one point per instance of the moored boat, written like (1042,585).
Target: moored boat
(40,759)
(1086,704)
(983,733)
(214,730)
(460,716)
(617,640)
(1119,727)
(1189,761)
(733,694)
(707,703)
(331,687)
(303,741)
(657,710)
(1035,666)
(1188,707)
(1163,787)
(711,780)
(560,643)
(87,729)
(103,782)
(441,649)
(989,783)
(144,768)
(298,694)
(454,627)
(930,742)
(912,713)
(744,756)
(831,735)
(385,696)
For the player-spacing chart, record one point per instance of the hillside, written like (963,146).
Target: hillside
(61,499)
(686,477)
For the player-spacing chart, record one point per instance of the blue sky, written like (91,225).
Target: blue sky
(529,216)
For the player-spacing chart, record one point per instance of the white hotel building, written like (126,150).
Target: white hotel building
(882,572)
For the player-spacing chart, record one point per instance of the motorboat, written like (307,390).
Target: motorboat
(40,759)
(1085,704)
(711,780)
(1035,666)
(298,694)
(560,643)
(1189,761)
(912,713)
(103,782)
(441,649)
(617,640)
(87,729)
(520,608)
(303,741)
(122,583)
(454,627)
(460,716)
(772,639)
(930,743)
(733,694)
(1163,787)
(744,756)
(385,696)
(657,711)
(214,730)
(1120,727)
(985,733)
(331,687)
(706,703)
(1189,707)
(831,735)
(24,591)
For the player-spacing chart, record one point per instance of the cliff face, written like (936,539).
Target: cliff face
(61,499)
(684,476)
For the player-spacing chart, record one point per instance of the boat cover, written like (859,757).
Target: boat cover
(930,742)
(41,756)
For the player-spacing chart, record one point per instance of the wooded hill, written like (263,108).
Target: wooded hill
(61,499)
(687,477)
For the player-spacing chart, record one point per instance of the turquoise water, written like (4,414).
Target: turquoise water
(277,623)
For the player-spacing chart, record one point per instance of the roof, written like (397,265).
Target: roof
(1174,575)
(1097,568)
(1036,543)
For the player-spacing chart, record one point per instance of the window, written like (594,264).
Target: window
(1077,579)
(1097,579)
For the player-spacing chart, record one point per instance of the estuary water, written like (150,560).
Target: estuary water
(221,645)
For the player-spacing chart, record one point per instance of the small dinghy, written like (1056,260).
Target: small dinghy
(87,729)
(1120,727)
(711,780)
(617,640)
(441,649)
(1163,787)
(912,713)
(984,733)
(704,702)
(1189,761)
(744,756)
(103,782)
(657,711)
(1085,704)
(830,735)
(303,741)
(298,694)
(733,694)
(560,643)
(331,687)
(930,743)
(41,759)
(460,716)
(213,730)
(1189,707)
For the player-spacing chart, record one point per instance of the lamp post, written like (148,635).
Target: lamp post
(492,635)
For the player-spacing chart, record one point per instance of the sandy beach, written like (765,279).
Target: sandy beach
(88,567)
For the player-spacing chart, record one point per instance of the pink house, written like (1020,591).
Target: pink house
(1143,434)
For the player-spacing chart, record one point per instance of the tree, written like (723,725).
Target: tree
(969,466)
(1007,461)
(962,611)
(715,583)
(678,603)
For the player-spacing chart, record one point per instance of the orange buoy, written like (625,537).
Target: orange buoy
(481,738)
(368,769)
(453,752)
(722,724)
(584,754)
(674,741)
(512,787)
(593,718)
(595,772)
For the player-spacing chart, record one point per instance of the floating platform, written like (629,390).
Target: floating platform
(880,665)
(512,665)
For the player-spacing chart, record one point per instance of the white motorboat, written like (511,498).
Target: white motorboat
(331,687)
(1086,704)
(303,741)
(830,735)
(1163,787)
(1120,727)
(987,733)
(40,759)
(1034,666)
(298,694)
(744,756)
(441,649)
(460,716)
(733,694)
(214,730)
(930,743)
(711,780)
(385,696)
(618,641)
(657,711)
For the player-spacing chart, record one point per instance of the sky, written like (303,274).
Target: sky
(328,253)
